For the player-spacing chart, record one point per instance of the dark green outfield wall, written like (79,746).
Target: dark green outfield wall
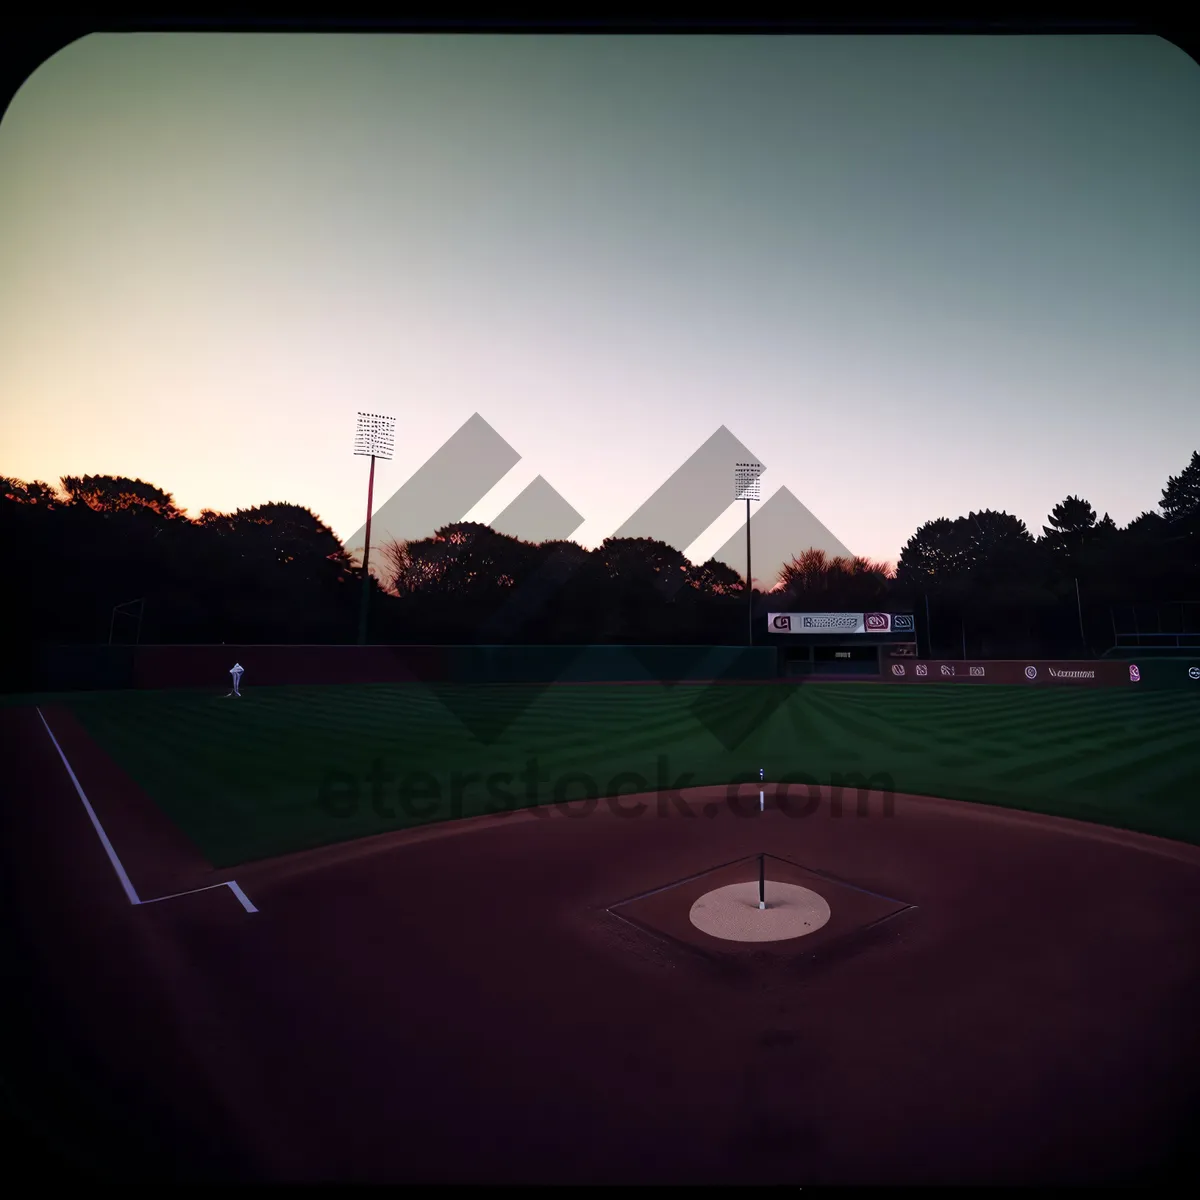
(65,668)
(69,668)
(609,664)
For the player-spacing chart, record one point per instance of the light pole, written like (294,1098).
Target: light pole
(1079,608)
(746,487)
(375,436)
(124,610)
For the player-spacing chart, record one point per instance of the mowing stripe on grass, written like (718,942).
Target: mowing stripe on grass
(244,782)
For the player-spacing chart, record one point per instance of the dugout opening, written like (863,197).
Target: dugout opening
(843,659)
(839,659)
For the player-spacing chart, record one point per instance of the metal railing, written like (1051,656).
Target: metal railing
(1172,625)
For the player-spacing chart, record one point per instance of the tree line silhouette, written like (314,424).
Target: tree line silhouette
(276,573)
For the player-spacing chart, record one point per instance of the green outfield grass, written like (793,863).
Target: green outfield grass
(276,771)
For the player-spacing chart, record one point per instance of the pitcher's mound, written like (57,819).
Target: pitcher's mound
(732,912)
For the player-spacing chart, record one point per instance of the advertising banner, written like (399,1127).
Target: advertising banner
(840,623)
(1171,673)
(1026,674)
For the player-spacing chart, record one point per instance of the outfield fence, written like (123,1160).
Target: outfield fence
(149,666)
(71,668)
(1088,673)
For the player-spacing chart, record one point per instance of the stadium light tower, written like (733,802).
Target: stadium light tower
(375,436)
(746,487)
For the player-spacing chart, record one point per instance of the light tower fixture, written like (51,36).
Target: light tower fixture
(746,487)
(375,436)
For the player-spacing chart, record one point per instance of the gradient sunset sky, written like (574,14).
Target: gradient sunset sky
(915,275)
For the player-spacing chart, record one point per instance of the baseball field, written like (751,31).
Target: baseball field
(290,768)
(451,933)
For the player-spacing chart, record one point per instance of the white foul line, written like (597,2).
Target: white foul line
(122,874)
(242,897)
(91,812)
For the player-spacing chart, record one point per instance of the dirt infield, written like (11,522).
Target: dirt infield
(459,1003)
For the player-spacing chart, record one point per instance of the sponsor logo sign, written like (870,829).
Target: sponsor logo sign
(1044,674)
(816,622)
(897,668)
(1134,674)
(1194,672)
(828,622)
(856,623)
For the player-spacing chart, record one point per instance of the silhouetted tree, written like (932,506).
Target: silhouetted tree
(115,493)
(1001,547)
(813,579)
(1072,523)
(1181,505)
(1147,528)
(34,492)
(283,533)
(807,572)
(1097,555)
(277,572)
(463,559)
(641,560)
(1181,496)
(394,563)
(642,577)
(715,578)
(940,550)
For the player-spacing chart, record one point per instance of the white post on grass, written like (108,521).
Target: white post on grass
(761,802)
(237,671)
